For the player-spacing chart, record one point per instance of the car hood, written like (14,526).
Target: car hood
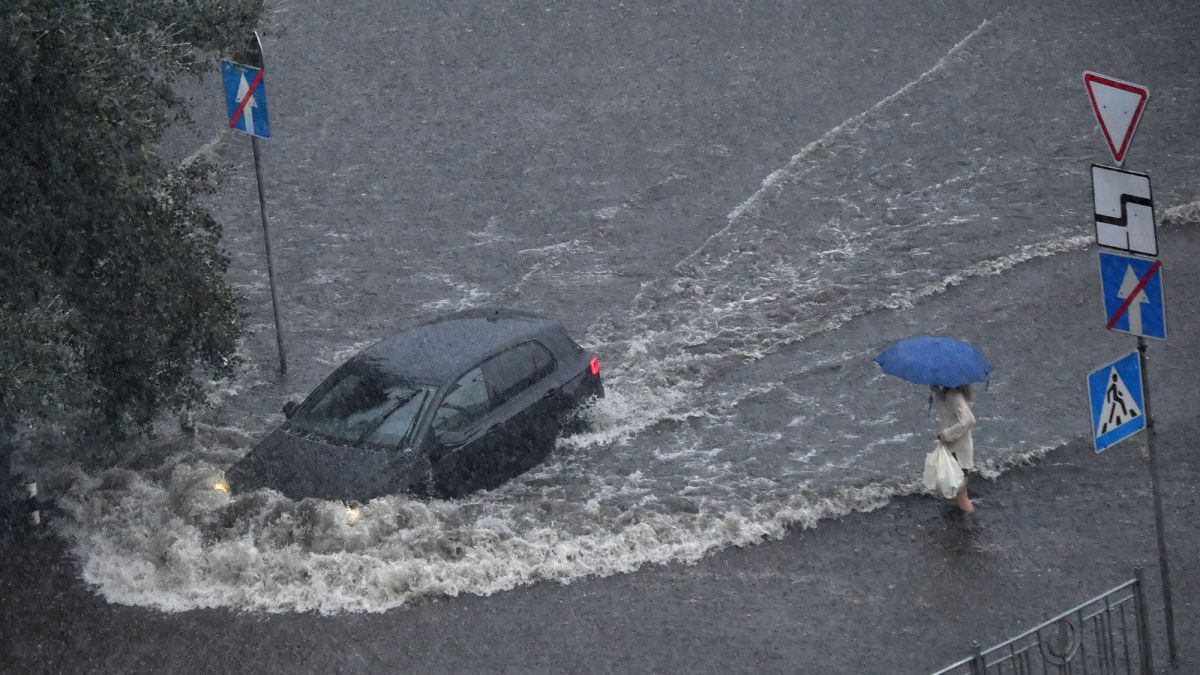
(301,467)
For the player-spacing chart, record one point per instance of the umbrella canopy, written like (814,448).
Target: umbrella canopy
(934,360)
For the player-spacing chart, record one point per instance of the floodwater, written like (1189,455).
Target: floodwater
(735,212)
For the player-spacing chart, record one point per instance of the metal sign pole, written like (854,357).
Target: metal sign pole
(1163,567)
(262,207)
(255,56)
(1118,106)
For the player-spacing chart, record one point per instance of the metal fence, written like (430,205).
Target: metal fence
(1107,634)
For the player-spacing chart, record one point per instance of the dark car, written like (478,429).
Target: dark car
(455,405)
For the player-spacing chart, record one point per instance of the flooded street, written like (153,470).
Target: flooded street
(742,396)
(735,208)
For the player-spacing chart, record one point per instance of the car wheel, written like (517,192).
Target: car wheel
(423,489)
(575,424)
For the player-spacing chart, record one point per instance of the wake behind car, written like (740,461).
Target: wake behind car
(462,403)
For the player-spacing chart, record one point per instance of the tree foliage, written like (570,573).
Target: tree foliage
(112,290)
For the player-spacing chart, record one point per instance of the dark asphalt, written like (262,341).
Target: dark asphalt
(419,148)
(673,114)
(904,589)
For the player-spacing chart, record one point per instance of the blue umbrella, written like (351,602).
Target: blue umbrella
(934,360)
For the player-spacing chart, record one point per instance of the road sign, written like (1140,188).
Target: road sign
(1134,302)
(246,98)
(246,101)
(1124,210)
(1115,394)
(1118,106)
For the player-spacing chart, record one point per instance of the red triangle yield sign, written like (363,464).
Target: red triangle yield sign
(1118,106)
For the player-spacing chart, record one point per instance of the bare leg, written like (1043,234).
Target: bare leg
(963,500)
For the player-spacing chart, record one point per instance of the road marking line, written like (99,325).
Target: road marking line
(789,171)
(202,150)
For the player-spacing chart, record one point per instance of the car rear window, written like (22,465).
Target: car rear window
(515,370)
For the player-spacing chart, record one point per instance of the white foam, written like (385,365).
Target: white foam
(608,212)
(175,547)
(1182,213)
(466,295)
(665,386)
(148,546)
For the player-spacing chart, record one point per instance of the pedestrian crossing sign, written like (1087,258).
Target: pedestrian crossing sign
(1117,401)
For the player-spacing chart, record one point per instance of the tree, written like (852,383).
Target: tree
(113,297)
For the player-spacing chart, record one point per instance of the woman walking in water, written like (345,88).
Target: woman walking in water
(956,421)
(948,367)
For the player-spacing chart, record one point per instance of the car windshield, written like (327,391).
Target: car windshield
(359,403)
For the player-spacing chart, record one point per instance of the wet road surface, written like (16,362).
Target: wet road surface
(737,210)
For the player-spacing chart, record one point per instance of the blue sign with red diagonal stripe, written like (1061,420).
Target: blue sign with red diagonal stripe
(1133,295)
(246,99)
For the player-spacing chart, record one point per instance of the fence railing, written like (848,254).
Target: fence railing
(1107,634)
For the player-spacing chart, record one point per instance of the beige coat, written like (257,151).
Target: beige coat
(956,422)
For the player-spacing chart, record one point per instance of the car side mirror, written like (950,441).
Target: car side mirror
(451,438)
(289,409)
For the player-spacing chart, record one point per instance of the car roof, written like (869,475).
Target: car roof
(444,348)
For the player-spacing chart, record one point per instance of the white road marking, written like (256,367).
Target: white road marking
(794,168)
(202,150)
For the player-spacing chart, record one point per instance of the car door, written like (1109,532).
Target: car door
(461,456)
(527,420)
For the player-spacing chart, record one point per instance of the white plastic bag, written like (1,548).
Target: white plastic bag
(943,475)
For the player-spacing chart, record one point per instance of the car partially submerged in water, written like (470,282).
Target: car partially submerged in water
(462,403)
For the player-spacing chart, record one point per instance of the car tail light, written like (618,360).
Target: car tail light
(594,366)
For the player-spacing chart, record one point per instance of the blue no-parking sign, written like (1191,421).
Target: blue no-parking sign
(1118,404)
(1133,295)
(246,99)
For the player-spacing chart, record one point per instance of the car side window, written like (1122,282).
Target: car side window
(543,361)
(515,370)
(466,402)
